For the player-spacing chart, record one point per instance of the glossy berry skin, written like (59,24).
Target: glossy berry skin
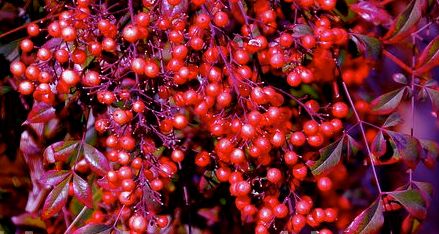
(340,110)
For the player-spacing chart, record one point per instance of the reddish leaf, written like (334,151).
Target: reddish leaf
(406,147)
(329,158)
(208,181)
(369,221)
(388,102)
(412,202)
(95,229)
(429,57)
(434,97)
(406,21)
(54,177)
(379,145)
(40,113)
(96,160)
(82,191)
(60,151)
(56,199)
(371,12)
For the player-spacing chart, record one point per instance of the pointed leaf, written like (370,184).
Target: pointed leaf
(425,189)
(370,46)
(412,202)
(370,11)
(434,97)
(54,177)
(40,113)
(96,160)
(388,102)
(369,221)
(431,148)
(300,30)
(352,145)
(56,199)
(407,147)
(82,191)
(60,151)
(95,229)
(405,22)
(329,158)
(379,145)
(429,57)
(393,120)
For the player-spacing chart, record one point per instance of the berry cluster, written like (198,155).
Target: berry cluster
(220,86)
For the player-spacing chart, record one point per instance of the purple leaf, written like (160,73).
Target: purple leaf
(329,158)
(412,202)
(434,97)
(96,160)
(370,12)
(406,22)
(406,147)
(95,229)
(56,199)
(369,221)
(82,191)
(60,151)
(425,189)
(352,145)
(429,57)
(393,120)
(388,102)
(370,46)
(54,177)
(430,148)
(379,145)
(40,113)
(300,30)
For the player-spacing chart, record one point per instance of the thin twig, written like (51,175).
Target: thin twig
(363,133)
(76,220)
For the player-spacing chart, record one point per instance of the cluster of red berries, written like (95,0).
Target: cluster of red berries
(175,70)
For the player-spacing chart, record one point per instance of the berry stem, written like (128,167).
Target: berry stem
(363,133)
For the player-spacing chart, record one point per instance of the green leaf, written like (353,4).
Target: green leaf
(406,147)
(429,57)
(95,229)
(329,157)
(405,22)
(369,221)
(393,120)
(412,202)
(370,46)
(388,102)
(96,160)
(56,199)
